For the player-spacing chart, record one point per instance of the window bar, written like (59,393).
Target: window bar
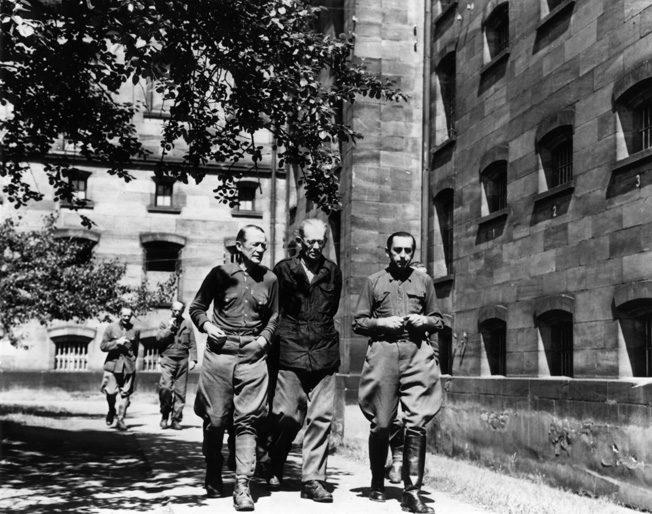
(647,348)
(563,172)
(501,338)
(646,127)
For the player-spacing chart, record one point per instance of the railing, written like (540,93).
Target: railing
(71,356)
(150,357)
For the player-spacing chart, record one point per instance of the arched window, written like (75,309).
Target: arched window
(633,304)
(71,347)
(444,207)
(445,99)
(633,102)
(496,30)
(493,331)
(554,144)
(162,251)
(554,318)
(494,187)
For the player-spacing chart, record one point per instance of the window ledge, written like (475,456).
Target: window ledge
(160,208)
(445,12)
(501,213)
(444,280)
(501,56)
(555,14)
(441,147)
(246,214)
(88,204)
(563,189)
(633,160)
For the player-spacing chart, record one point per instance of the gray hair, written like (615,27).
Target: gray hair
(315,222)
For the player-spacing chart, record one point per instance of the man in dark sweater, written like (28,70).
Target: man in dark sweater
(178,350)
(309,295)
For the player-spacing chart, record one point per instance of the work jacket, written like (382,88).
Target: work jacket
(307,338)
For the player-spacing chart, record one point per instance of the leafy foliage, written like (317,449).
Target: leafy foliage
(47,278)
(226,68)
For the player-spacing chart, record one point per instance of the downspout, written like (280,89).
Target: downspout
(425,168)
(272,216)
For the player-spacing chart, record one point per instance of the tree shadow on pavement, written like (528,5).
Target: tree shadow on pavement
(50,470)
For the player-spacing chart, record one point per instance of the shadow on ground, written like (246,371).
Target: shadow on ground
(48,470)
(51,470)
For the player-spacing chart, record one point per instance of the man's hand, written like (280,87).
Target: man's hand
(214,333)
(416,320)
(192,365)
(393,322)
(262,342)
(122,341)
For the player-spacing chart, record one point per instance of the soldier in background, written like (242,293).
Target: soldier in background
(120,341)
(178,350)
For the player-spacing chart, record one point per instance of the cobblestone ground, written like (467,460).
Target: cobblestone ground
(69,461)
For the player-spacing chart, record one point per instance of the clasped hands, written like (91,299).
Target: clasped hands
(398,322)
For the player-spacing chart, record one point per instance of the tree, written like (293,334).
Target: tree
(227,68)
(47,278)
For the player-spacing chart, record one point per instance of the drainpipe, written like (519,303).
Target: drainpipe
(272,216)
(425,168)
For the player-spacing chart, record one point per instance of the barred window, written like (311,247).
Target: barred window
(71,354)
(497,30)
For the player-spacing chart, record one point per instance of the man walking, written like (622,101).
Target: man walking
(309,286)
(233,382)
(121,342)
(178,350)
(397,309)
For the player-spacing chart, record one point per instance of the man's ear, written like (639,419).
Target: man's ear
(387,252)
(238,245)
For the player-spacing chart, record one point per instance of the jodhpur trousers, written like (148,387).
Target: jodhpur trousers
(299,394)
(405,372)
(232,390)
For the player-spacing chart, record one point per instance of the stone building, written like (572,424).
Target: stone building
(154,226)
(521,162)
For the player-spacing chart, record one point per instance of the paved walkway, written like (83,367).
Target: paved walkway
(76,464)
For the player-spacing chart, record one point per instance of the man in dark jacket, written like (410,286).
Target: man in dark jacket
(120,341)
(309,295)
(178,350)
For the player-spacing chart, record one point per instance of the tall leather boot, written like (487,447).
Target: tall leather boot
(242,500)
(396,439)
(378,446)
(414,461)
(212,450)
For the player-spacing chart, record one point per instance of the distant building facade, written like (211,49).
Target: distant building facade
(154,226)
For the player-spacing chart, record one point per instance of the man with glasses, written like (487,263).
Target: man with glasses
(308,346)
(397,310)
(233,382)
(178,350)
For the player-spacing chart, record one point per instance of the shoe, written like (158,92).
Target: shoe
(314,490)
(274,482)
(109,418)
(242,500)
(175,425)
(377,496)
(396,473)
(120,425)
(412,502)
(164,423)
